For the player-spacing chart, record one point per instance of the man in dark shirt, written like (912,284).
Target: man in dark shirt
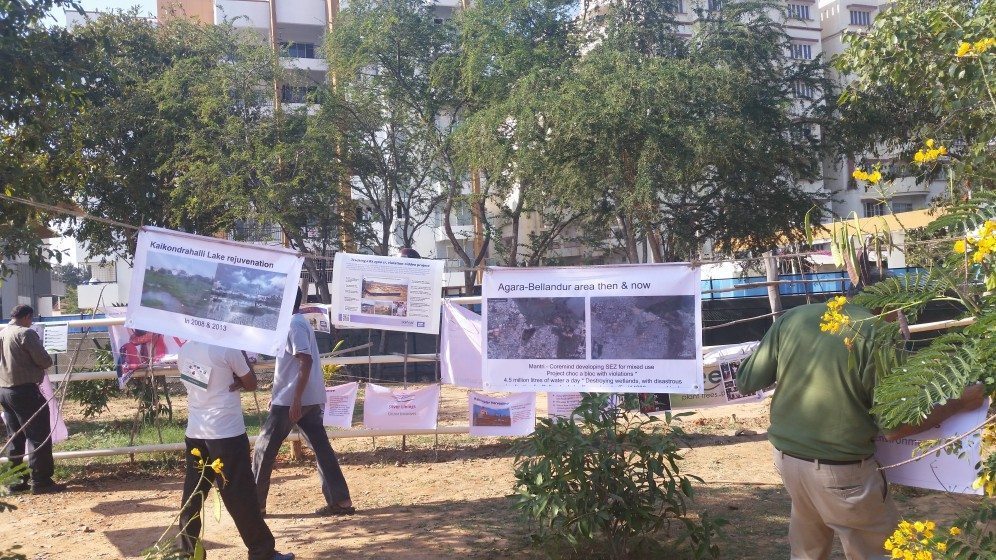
(23,361)
(824,433)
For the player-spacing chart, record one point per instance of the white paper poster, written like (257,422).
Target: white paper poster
(340,401)
(619,329)
(135,349)
(388,293)
(512,415)
(941,472)
(562,405)
(460,346)
(386,408)
(55,338)
(317,315)
(215,291)
(719,375)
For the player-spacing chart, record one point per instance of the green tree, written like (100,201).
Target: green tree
(43,78)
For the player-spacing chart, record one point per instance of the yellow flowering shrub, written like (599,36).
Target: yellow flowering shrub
(915,541)
(980,246)
(930,152)
(874,177)
(978,48)
(834,320)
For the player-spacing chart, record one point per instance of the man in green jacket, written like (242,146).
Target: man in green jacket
(824,433)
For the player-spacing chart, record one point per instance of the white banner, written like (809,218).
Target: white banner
(388,293)
(384,408)
(137,349)
(317,315)
(514,415)
(55,338)
(719,375)
(619,329)
(460,346)
(340,401)
(215,291)
(949,473)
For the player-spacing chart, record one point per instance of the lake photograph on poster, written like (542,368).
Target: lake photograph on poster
(536,327)
(210,290)
(643,327)
(487,416)
(384,297)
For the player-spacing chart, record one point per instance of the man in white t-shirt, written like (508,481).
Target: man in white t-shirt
(298,397)
(216,430)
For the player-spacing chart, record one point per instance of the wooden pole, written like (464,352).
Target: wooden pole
(771,274)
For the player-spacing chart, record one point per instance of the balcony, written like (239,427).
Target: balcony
(243,13)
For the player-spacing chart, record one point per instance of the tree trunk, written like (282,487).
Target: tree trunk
(629,237)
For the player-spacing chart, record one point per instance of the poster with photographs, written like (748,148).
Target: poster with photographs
(136,349)
(215,291)
(386,408)
(618,329)
(388,293)
(317,315)
(512,415)
(340,401)
(719,375)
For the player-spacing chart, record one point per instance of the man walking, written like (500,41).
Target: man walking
(23,361)
(823,432)
(298,396)
(217,447)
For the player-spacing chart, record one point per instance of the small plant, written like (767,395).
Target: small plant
(94,395)
(329,371)
(609,485)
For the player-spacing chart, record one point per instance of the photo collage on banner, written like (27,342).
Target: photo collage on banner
(317,315)
(136,349)
(947,472)
(340,402)
(513,415)
(618,329)
(385,408)
(215,291)
(388,293)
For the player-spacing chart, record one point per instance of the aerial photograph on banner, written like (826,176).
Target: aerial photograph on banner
(660,327)
(537,327)
(488,416)
(210,290)
(384,297)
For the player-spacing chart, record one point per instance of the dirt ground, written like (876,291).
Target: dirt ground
(423,503)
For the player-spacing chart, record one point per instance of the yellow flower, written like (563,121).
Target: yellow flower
(918,526)
(954,531)
(924,555)
(963,49)
(875,177)
(889,545)
(217,466)
(860,175)
(930,143)
(896,553)
(959,247)
(978,257)
(195,452)
(942,547)
(919,157)
(982,45)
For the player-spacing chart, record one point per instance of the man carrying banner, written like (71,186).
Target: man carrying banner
(23,361)
(218,448)
(298,395)
(823,432)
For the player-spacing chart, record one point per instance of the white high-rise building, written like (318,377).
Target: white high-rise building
(837,19)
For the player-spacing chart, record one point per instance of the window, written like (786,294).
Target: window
(860,17)
(902,207)
(298,50)
(802,52)
(679,6)
(798,11)
(296,94)
(802,90)
(874,208)
(715,5)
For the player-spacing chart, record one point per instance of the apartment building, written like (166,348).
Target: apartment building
(906,193)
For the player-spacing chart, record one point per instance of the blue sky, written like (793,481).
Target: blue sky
(147,7)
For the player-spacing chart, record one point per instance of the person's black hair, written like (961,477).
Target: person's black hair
(297,300)
(21,311)
(410,253)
